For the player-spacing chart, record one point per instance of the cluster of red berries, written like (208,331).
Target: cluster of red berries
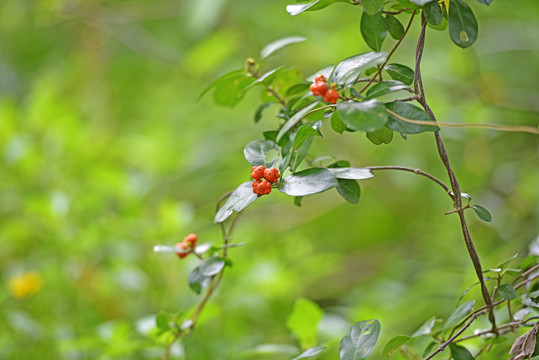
(187,245)
(320,87)
(263,178)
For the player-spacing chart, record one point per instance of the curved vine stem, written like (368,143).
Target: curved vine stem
(457,200)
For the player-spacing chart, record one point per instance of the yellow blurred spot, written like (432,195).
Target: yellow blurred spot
(25,285)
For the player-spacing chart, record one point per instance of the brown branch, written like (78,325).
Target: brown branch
(415,171)
(457,200)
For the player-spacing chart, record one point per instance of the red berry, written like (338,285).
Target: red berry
(272,175)
(319,88)
(191,240)
(255,185)
(331,96)
(320,77)
(182,246)
(264,188)
(258,172)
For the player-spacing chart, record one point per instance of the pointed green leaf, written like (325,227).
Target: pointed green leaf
(266,78)
(351,173)
(295,119)
(460,352)
(240,198)
(421,2)
(504,265)
(373,29)
(394,27)
(394,344)
(258,152)
(462,24)
(296,9)
(347,71)
(211,266)
(360,340)
(459,314)
(433,13)
(261,108)
(410,112)
(507,292)
(400,72)
(303,321)
(381,136)
(197,280)
(305,131)
(349,190)
(230,77)
(337,124)
(384,88)
(162,321)
(366,116)
(482,213)
(426,328)
(307,182)
(279,44)
(372,6)
(310,353)
(485,2)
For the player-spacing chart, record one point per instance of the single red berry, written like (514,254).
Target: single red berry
(191,240)
(258,172)
(319,88)
(331,96)
(255,186)
(320,77)
(182,246)
(272,175)
(264,188)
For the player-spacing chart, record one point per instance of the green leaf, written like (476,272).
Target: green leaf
(506,263)
(459,314)
(471,286)
(372,6)
(258,152)
(462,24)
(373,29)
(360,340)
(347,71)
(240,198)
(266,78)
(308,182)
(366,116)
(327,71)
(351,173)
(426,328)
(460,352)
(428,349)
(337,124)
(381,136)
(162,321)
(298,154)
(485,2)
(310,353)
(306,131)
(303,321)
(394,27)
(482,213)
(279,44)
(507,292)
(384,87)
(230,93)
(421,2)
(411,112)
(433,13)
(297,89)
(349,190)
(261,108)
(297,200)
(212,266)
(315,5)
(198,281)
(400,72)
(394,344)
(295,119)
(224,80)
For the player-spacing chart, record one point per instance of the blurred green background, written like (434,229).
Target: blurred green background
(106,152)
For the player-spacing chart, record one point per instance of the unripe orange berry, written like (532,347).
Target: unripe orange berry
(272,175)
(182,246)
(319,88)
(258,172)
(191,240)
(331,96)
